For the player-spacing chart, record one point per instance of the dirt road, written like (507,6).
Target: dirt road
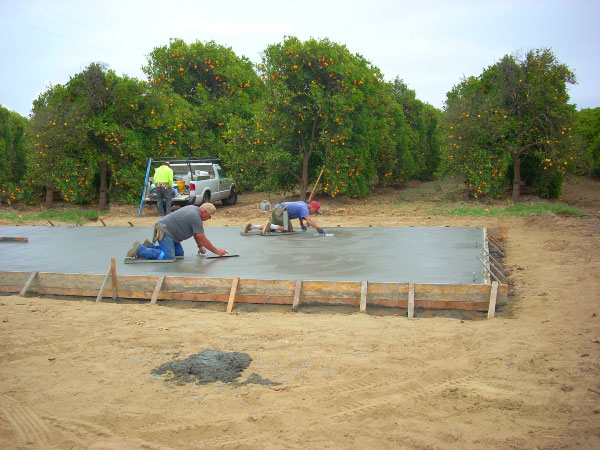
(78,374)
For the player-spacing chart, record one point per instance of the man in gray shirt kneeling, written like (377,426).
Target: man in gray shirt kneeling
(174,228)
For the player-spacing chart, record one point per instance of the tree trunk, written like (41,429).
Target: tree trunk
(516,194)
(49,196)
(102,197)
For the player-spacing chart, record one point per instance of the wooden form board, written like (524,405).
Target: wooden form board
(279,292)
(14,239)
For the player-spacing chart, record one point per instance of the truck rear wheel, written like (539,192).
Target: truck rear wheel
(232,199)
(206,197)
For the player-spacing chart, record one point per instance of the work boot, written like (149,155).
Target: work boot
(248,227)
(267,227)
(148,243)
(132,253)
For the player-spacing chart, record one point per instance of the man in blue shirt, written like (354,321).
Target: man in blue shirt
(283,213)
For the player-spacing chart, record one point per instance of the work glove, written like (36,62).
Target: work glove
(303,227)
(321,230)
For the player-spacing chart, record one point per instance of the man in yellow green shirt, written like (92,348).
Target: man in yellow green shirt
(163,179)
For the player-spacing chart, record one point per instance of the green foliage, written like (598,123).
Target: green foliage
(205,85)
(415,148)
(322,109)
(12,154)
(547,183)
(96,118)
(317,107)
(587,129)
(515,109)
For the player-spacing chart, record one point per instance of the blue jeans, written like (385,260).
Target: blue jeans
(167,248)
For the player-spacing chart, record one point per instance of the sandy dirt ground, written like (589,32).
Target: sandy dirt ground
(77,374)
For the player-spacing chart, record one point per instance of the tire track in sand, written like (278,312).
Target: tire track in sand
(30,427)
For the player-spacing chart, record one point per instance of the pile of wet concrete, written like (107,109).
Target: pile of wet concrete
(210,366)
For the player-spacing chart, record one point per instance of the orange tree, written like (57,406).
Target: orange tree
(216,83)
(588,131)
(169,127)
(12,154)
(323,108)
(91,137)
(88,138)
(514,116)
(57,159)
(415,133)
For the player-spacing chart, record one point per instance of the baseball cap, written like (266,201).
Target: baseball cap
(315,204)
(209,208)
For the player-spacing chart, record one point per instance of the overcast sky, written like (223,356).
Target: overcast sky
(429,44)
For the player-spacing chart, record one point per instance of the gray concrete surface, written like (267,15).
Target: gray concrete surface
(410,254)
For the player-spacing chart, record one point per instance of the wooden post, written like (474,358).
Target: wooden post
(493,295)
(104,284)
(411,300)
(315,187)
(297,295)
(159,284)
(231,301)
(363,296)
(113,277)
(27,284)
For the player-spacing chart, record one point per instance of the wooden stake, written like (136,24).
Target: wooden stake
(104,284)
(493,295)
(315,187)
(231,301)
(363,296)
(13,239)
(496,242)
(159,284)
(411,300)
(113,276)
(27,284)
(297,295)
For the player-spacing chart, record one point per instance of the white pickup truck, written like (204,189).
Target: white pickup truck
(195,182)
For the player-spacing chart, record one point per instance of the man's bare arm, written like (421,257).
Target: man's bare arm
(203,241)
(311,223)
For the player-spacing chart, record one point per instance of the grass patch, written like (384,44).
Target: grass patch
(512,210)
(74,216)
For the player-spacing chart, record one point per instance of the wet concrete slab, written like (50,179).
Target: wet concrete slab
(390,254)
